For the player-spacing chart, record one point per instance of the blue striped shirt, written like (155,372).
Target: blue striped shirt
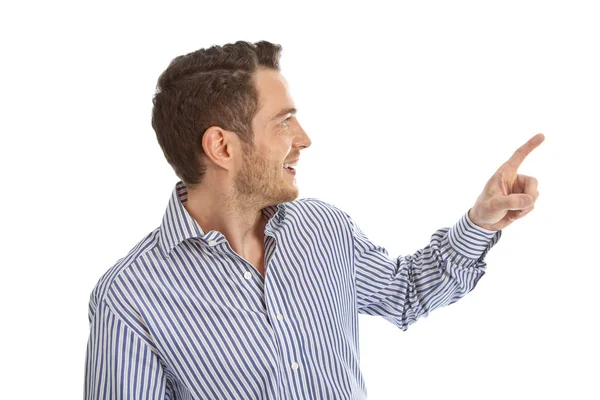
(182,316)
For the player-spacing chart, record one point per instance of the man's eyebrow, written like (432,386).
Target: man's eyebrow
(284,112)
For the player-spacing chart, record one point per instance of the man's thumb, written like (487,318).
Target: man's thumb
(515,201)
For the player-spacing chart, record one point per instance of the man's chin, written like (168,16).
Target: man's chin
(289,194)
(291,198)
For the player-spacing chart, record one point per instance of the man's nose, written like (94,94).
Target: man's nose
(304,140)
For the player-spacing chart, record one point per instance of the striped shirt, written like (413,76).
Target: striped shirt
(182,316)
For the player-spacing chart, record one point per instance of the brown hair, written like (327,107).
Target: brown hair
(208,87)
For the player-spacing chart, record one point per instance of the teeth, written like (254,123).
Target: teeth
(286,165)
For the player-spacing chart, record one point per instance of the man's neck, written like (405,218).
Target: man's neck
(243,226)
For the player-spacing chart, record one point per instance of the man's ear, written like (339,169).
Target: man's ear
(219,146)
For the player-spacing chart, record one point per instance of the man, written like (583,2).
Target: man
(245,291)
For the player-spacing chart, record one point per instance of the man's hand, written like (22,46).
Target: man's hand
(507,196)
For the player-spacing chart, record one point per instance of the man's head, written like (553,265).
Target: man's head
(224,114)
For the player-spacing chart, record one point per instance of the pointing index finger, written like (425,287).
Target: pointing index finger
(517,158)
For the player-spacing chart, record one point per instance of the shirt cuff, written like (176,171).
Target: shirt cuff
(469,240)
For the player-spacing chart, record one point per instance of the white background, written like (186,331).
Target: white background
(410,108)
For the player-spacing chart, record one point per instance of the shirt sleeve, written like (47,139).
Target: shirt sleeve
(405,288)
(119,363)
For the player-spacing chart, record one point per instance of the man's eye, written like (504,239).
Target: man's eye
(286,121)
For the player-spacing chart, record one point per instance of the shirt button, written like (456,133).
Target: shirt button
(279,317)
(248,275)
(212,243)
(295,366)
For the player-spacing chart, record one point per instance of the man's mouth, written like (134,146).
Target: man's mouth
(291,166)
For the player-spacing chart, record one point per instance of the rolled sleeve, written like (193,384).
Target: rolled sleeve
(405,288)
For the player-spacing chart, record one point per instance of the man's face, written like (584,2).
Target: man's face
(278,138)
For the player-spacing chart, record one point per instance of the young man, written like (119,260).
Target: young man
(245,291)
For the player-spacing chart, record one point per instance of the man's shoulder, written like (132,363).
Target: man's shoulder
(133,258)
(318,208)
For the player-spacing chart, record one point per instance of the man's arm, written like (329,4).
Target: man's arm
(119,363)
(403,289)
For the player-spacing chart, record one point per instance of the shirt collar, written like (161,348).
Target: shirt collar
(178,225)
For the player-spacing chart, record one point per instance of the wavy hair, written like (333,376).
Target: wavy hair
(208,87)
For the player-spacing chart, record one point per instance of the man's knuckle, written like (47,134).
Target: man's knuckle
(534,181)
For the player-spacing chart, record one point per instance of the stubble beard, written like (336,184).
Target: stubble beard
(260,182)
